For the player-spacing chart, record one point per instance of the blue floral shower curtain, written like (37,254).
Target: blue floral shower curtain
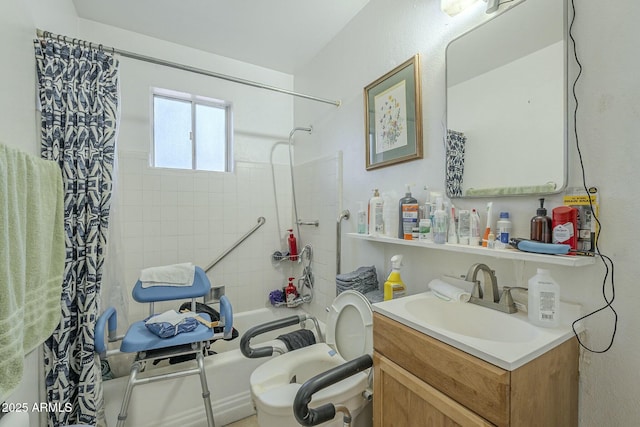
(78,92)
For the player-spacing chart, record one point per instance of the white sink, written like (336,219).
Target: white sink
(506,340)
(471,320)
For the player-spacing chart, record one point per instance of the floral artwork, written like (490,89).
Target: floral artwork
(393,116)
(390,118)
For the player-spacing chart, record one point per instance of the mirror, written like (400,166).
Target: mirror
(507,104)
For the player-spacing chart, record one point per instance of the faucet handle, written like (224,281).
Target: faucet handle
(506,300)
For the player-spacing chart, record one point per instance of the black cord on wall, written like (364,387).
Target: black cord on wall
(606,261)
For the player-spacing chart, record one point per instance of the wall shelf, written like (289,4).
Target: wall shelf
(565,260)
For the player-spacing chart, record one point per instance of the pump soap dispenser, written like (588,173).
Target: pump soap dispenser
(541,225)
(394,286)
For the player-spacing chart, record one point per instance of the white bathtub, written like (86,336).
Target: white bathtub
(178,402)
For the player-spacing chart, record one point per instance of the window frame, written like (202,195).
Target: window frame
(194,100)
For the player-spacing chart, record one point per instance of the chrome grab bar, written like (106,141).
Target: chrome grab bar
(345,214)
(261,221)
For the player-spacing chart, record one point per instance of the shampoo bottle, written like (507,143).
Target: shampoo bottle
(291,292)
(407,215)
(394,286)
(293,246)
(376,217)
(541,225)
(544,300)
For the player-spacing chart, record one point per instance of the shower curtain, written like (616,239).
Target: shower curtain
(79,96)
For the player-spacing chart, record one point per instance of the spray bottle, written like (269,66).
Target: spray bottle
(394,286)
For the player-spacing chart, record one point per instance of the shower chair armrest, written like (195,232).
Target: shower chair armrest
(311,417)
(254,353)
(109,319)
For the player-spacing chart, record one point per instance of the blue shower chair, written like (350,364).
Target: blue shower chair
(149,347)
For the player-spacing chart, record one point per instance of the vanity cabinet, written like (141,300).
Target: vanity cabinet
(421,381)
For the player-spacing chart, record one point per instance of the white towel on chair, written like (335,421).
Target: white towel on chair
(168,275)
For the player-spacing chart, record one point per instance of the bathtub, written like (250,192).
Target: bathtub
(178,402)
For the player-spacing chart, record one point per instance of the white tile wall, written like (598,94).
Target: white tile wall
(171,216)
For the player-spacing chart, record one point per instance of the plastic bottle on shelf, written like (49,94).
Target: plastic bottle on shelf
(293,246)
(544,300)
(504,227)
(565,226)
(424,230)
(376,214)
(474,228)
(362,220)
(541,225)
(452,232)
(407,214)
(464,226)
(439,224)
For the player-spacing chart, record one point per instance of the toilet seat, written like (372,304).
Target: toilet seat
(350,325)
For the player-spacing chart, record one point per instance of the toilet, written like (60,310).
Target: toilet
(349,334)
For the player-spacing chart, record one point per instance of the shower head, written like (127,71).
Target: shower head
(305,129)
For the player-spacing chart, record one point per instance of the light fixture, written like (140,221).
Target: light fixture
(453,7)
(492,5)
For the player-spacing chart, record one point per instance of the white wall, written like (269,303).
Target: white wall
(384,35)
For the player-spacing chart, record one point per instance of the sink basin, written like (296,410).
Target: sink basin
(471,320)
(506,340)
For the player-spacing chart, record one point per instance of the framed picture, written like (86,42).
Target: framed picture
(393,116)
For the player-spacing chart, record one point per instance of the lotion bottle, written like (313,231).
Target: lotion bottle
(376,214)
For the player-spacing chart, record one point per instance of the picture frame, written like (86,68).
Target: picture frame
(393,116)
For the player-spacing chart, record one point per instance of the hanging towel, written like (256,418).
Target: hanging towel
(32,258)
(298,339)
(168,275)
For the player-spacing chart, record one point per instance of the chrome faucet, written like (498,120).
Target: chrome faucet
(489,296)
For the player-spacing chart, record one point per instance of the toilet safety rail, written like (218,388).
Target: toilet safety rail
(254,353)
(261,221)
(310,417)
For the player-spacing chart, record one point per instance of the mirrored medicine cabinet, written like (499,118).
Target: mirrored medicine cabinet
(507,103)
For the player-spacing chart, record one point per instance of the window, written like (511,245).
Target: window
(191,133)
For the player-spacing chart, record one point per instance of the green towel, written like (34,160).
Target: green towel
(32,255)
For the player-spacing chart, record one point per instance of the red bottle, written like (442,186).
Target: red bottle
(293,246)
(291,292)
(565,226)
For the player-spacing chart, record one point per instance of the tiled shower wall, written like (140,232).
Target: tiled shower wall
(166,216)
(171,216)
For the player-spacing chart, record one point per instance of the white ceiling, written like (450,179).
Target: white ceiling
(279,34)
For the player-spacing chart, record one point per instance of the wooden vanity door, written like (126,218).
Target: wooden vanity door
(402,400)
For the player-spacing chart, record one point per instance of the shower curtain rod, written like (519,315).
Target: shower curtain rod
(47,34)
